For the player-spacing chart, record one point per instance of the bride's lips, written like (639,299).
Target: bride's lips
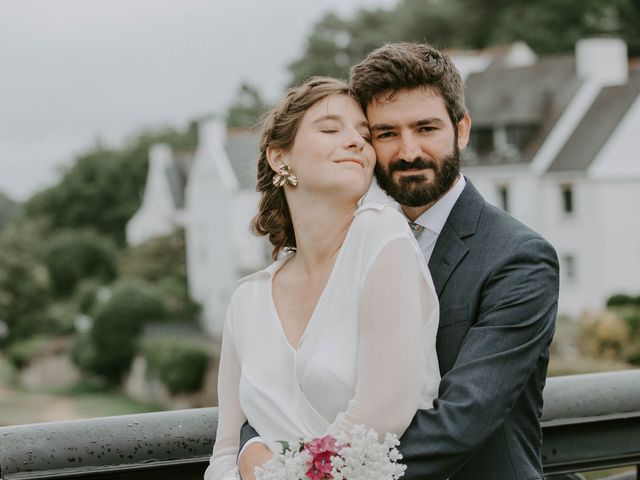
(351,160)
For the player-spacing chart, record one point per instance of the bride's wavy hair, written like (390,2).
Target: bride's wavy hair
(279,128)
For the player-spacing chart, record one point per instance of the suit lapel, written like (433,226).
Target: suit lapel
(450,249)
(448,252)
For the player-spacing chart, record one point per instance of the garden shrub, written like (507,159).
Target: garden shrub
(74,255)
(623,300)
(86,294)
(180,364)
(24,286)
(162,261)
(614,334)
(117,324)
(22,352)
(83,353)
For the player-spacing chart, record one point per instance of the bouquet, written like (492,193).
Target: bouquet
(357,455)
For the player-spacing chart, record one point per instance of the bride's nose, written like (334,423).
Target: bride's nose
(354,140)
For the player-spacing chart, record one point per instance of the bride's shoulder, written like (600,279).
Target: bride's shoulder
(257,279)
(381,216)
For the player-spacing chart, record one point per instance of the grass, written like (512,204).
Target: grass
(19,406)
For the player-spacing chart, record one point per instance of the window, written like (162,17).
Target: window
(503,197)
(568,267)
(482,140)
(520,135)
(567,197)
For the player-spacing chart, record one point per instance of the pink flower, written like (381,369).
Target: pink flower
(322,444)
(322,450)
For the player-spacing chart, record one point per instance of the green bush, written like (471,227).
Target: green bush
(631,316)
(24,281)
(623,300)
(176,297)
(162,261)
(179,363)
(86,294)
(614,334)
(22,352)
(117,324)
(74,255)
(83,352)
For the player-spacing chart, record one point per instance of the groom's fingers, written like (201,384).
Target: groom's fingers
(251,457)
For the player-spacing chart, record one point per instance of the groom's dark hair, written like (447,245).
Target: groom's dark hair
(398,66)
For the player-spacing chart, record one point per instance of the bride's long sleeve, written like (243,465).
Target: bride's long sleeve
(397,325)
(222,465)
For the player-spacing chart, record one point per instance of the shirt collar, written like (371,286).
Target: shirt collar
(436,216)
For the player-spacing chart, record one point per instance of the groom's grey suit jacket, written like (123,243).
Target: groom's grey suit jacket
(497,282)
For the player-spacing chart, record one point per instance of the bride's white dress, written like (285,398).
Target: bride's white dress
(366,357)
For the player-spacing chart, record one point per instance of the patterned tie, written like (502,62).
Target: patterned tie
(416,228)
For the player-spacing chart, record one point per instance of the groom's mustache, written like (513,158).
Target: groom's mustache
(418,163)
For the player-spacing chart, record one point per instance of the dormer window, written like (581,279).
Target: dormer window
(482,140)
(519,135)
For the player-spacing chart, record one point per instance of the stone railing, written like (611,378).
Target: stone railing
(590,422)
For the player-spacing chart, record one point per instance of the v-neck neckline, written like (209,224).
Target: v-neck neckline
(310,321)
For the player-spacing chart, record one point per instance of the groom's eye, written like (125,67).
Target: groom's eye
(386,135)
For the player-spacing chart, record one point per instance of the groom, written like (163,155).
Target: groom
(497,280)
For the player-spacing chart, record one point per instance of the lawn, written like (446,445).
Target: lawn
(19,406)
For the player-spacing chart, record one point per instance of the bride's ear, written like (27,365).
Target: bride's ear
(275,156)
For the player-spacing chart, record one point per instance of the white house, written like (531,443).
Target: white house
(557,144)
(211,193)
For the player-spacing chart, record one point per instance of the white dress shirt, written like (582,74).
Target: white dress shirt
(433,220)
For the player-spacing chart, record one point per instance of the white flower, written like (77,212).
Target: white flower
(361,457)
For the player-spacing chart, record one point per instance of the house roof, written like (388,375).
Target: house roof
(596,127)
(242,148)
(534,96)
(521,96)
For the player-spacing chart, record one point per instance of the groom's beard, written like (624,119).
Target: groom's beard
(415,190)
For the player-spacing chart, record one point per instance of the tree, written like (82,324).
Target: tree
(247,108)
(75,255)
(554,26)
(162,262)
(103,188)
(8,210)
(326,52)
(25,291)
(547,26)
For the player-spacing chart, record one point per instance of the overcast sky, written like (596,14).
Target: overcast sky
(73,71)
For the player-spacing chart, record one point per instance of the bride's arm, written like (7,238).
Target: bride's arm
(397,324)
(222,465)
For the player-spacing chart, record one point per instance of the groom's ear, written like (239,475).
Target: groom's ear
(275,157)
(464,128)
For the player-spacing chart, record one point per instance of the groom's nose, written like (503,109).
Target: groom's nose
(409,148)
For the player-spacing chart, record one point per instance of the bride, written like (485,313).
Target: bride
(340,330)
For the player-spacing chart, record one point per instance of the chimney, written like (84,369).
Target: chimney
(603,60)
(212,132)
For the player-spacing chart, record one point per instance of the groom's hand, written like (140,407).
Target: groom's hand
(251,457)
